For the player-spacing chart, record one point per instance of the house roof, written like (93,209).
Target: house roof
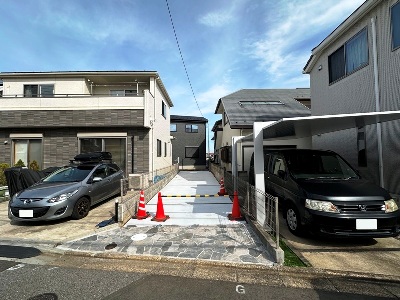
(98,77)
(216,125)
(359,13)
(247,106)
(176,118)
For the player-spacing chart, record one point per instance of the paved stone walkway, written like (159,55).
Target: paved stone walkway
(235,243)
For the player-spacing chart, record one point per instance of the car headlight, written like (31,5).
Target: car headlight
(391,206)
(62,197)
(324,206)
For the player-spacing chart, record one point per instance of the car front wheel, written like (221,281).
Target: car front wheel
(81,208)
(293,220)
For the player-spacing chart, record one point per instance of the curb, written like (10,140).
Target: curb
(306,273)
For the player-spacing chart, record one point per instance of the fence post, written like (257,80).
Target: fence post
(277,222)
(248,197)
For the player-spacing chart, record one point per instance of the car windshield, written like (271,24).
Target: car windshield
(69,174)
(318,165)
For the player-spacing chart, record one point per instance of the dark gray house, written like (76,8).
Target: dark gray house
(188,138)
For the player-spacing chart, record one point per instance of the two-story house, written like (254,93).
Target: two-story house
(356,69)
(49,117)
(189,141)
(241,109)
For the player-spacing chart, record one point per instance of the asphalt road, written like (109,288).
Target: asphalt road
(54,281)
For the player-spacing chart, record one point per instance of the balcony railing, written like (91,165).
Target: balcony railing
(71,101)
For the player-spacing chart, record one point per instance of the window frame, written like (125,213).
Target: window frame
(159,149)
(163,109)
(196,152)
(344,59)
(191,128)
(39,93)
(397,7)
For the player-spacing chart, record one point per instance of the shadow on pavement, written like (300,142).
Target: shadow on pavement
(18,252)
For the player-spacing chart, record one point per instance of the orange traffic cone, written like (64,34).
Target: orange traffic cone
(235,215)
(160,216)
(222,191)
(142,214)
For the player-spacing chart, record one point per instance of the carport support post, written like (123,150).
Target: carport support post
(258,128)
(235,139)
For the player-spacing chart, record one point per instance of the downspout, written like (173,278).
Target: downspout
(377,101)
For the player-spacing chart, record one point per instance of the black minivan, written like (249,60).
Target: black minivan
(319,191)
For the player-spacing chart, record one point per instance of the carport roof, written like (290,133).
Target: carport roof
(247,106)
(309,126)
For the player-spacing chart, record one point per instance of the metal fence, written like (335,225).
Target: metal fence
(258,205)
(150,183)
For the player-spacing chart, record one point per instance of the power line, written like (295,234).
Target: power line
(183,61)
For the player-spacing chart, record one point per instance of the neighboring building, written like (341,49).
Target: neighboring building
(189,141)
(241,109)
(357,69)
(50,117)
(217,138)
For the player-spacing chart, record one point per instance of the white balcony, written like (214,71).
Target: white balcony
(72,103)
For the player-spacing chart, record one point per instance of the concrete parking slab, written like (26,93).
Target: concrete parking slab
(367,255)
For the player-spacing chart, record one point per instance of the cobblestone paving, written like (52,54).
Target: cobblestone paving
(229,243)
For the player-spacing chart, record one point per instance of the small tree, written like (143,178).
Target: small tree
(19,163)
(3,180)
(34,166)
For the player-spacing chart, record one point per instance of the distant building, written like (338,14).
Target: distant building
(189,141)
(241,109)
(49,117)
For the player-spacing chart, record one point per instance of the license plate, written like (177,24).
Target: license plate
(26,213)
(366,224)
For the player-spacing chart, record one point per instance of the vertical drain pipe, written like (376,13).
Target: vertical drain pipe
(377,101)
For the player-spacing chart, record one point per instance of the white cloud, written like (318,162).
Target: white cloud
(280,51)
(216,19)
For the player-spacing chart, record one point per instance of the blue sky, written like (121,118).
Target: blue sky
(227,45)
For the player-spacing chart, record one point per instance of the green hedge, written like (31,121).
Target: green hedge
(3,180)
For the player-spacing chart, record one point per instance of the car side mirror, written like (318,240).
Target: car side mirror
(281,174)
(96,179)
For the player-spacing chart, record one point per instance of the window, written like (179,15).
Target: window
(277,165)
(41,90)
(165,149)
(191,152)
(28,151)
(191,128)
(159,148)
(116,146)
(395,17)
(350,57)
(163,109)
(122,93)
(117,93)
(172,127)
(131,92)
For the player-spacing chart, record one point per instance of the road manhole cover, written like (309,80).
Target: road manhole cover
(110,246)
(139,237)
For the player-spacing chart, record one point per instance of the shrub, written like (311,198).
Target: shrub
(19,163)
(34,166)
(3,180)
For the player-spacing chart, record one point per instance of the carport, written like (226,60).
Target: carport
(298,128)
